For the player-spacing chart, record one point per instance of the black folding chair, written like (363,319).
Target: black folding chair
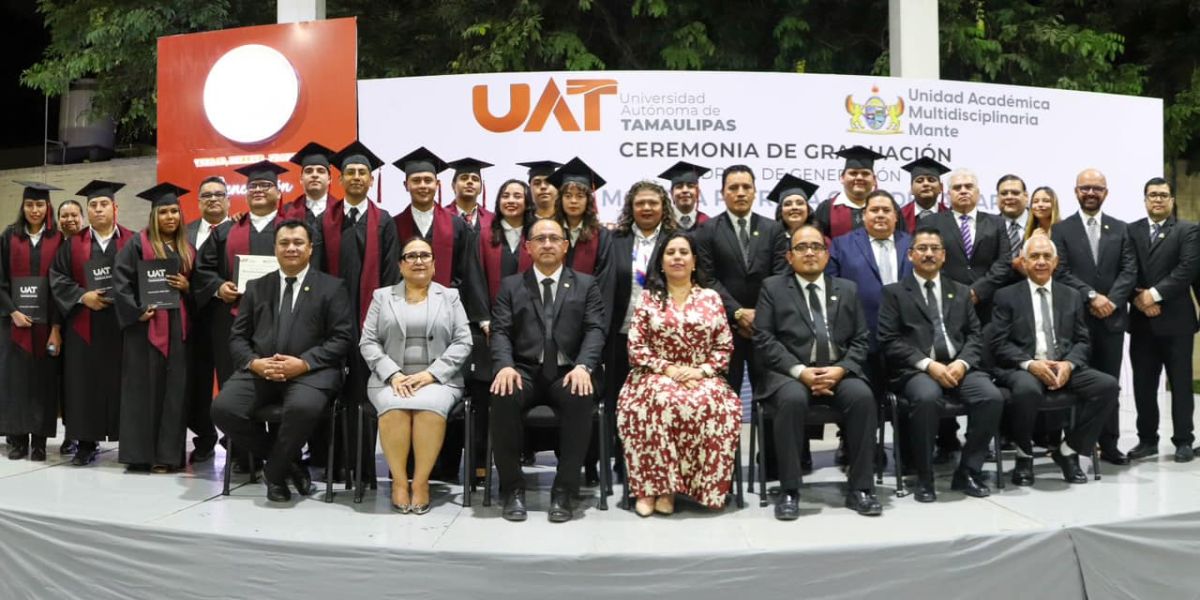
(948,408)
(273,414)
(1054,401)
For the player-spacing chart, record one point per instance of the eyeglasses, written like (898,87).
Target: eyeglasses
(923,248)
(416,257)
(1091,189)
(1158,196)
(260,186)
(552,239)
(802,248)
(210,196)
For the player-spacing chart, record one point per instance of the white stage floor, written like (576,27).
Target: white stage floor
(189,504)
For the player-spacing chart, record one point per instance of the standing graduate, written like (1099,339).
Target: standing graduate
(313,160)
(154,362)
(685,193)
(843,212)
(590,241)
(469,190)
(91,336)
(29,404)
(545,195)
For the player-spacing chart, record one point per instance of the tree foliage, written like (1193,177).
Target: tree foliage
(1114,46)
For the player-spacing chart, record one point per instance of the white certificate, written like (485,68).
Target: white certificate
(251,267)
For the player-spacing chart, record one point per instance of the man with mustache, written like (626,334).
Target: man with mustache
(926,190)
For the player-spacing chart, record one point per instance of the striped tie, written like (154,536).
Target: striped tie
(964,227)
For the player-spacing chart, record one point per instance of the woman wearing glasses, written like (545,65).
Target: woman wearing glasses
(415,341)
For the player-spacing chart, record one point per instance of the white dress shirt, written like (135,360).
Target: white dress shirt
(512,235)
(316,207)
(103,240)
(923,364)
(36,237)
(295,287)
(574,233)
(361,206)
(423,220)
(1042,345)
(885,254)
(843,199)
(798,369)
(202,232)
(643,247)
(261,223)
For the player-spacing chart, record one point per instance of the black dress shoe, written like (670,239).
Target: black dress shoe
(514,506)
(68,447)
(1184,453)
(787,508)
(560,507)
(864,503)
(1070,467)
(965,483)
(278,492)
(1143,450)
(302,479)
(37,453)
(925,492)
(85,454)
(1113,456)
(18,452)
(200,455)
(1022,474)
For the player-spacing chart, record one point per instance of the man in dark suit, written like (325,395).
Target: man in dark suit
(1040,343)
(931,336)
(214,210)
(739,249)
(289,341)
(547,334)
(812,341)
(1162,326)
(978,253)
(685,193)
(1096,257)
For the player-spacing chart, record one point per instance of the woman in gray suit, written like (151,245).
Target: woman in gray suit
(415,340)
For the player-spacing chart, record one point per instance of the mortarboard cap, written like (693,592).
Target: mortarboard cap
(540,168)
(789,185)
(576,171)
(356,154)
(468,165)
(263,170)
(98,188)
(312,154)
(684,172)
(36,191)
(420,160)
(163,194)
(926,166)
(858,157)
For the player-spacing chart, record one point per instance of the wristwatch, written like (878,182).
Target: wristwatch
(737,314)
(1092,294)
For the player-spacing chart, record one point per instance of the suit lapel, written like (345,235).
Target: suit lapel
(302,290)
(565,284)
(914,288)
(952,232)
(902,242)
(395,304)
(1062,325)
(863,241)
(799,298)
(535,291)
(1167,227)
(833,303)
(731,238)
(1077,223)
(947,302)
(437,300)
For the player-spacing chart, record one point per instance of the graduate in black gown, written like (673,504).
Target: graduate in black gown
(92,339)
(29,369)
(591,241)
(154,382)
(362,249)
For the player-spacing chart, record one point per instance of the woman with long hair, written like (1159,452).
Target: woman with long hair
(677,416)
(154,390)
(31,337)
(576,210)
(792,195)
(1043,211)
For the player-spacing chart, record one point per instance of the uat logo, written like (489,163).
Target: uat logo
(552,103)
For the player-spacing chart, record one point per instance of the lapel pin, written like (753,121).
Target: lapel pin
(1106,226)
(1162,235)
(833,298)
(756,234)
(306,288)
(566,285)
(949,295)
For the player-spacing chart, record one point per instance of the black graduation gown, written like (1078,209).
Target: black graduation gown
(30,390)
(91,372)
(154,390)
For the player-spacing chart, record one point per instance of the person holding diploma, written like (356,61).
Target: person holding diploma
(31,335)
(81,282)
(157,262)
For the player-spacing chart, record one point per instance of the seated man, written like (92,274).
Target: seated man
(289,342)
(812,339)
(1040,343)
(547,335)
(931,336)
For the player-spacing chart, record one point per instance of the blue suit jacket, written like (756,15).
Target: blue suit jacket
(852,257)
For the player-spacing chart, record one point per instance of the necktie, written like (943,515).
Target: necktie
(1155,229)
(964,227)
(1047,326)
(887,266)
(686,221)
(1094,238)
(856,218)
(941,350)
(1014,237)
(283,323)
(353,214)
(744,238)
(211,229)
(470,217)
(549,347)
(820,329)
(925,212)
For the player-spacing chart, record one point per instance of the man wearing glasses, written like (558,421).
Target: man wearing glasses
(933,343)
(547,334)
(811,337)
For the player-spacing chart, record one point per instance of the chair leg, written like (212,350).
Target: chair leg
(760,458)
(359,490)
(605,467)
(347,472)
(468,453)
(487,463)
(752,463)
(333,411)
(228,462)
(999,461)
(737,473)
(882,452)
(897,436)
(253,468)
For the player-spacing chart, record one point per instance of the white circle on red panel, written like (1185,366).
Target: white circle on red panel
(251,93)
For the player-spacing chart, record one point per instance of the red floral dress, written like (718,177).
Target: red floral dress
(679,437)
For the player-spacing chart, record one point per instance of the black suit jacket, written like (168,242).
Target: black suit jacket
(1013,337)
(720,256)
(990,267)
(906,326)
(1170,266)
(1116,272)
(618,280)
(322,327)
(517,328)
(783,331)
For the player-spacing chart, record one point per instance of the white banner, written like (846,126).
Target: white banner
(632,125)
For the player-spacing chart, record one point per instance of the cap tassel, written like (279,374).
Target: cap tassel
(379,190)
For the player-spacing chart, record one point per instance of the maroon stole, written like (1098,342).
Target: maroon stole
(841,219)
(584,260)
(81,253)
(18,266)
(331,226)
(238,242)
(298,208)
(443,240)
(159,328)
(483,218)
(491,256)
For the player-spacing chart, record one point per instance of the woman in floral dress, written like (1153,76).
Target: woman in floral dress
(676,415)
